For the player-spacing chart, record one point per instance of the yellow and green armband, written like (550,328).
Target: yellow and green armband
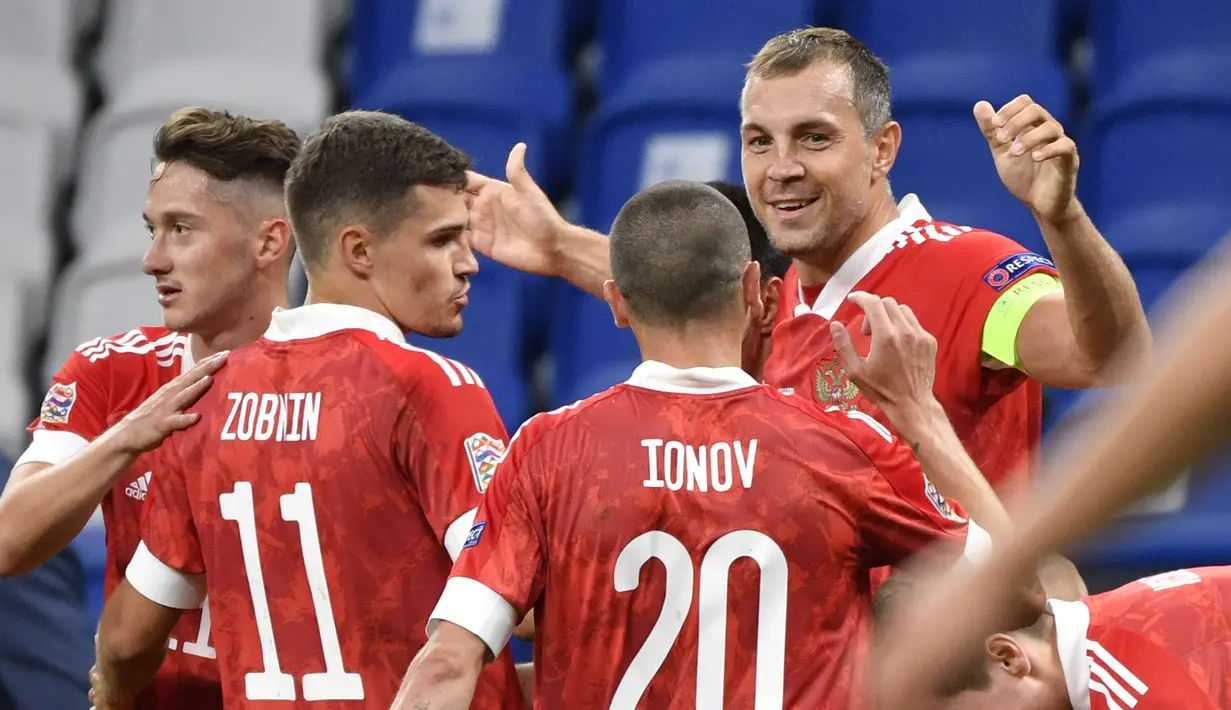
(1007,313)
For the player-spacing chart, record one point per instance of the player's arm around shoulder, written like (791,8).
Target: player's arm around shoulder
(74,458)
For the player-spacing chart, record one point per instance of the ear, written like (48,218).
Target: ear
(771,296)
(276,242)
(886,141)
(750,284)
(615,299)
(1007,655)
(355,250)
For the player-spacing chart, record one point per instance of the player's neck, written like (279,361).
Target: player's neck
(251,324)
(818,268)
(324,291)
(694,345)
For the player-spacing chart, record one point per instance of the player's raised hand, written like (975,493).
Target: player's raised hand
(898,373)
(160,416)
(1035,159)
(514,222)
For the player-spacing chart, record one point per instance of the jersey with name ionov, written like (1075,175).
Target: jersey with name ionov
(691,535)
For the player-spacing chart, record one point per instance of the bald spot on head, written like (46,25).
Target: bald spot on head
(678,252)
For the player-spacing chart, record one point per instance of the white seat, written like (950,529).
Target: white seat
(145,33)
(300,96)
(43,31)
(26,192)
(47,95)
(97,300)
(14,347)
(116,163)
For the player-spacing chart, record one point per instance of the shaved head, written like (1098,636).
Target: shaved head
(678,253)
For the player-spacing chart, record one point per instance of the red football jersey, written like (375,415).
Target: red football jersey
(950,276)
(333,468)
(689,538)
(1160,643)
(99,384)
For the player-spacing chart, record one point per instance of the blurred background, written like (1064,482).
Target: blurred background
(610,96)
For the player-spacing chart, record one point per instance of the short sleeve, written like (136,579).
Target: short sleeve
(74,410)
(902,512)
(499,575)
(990,269)
(168,530)
(450,438)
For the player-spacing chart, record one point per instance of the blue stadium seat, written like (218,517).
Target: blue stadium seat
(683,122)
(903,29)
(483,92)
(497,334)
(1160,242)
(388,33)
(944,157)
(589,351)
(637,35)
(91,546)
(1198,534)
(1161,149)
(485,108)
(1136,41)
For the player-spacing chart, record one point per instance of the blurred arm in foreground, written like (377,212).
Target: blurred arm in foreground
(1176,415)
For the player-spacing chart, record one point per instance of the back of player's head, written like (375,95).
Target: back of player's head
(678,253)
(360,167)
(772,263)
(228,147)
(792,52)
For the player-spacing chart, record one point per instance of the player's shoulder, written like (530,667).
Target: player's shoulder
(138,347)
(851,426)
(950,243)
(419,369)
(569,416)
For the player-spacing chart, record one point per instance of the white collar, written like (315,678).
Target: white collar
(187,361)
(865,258)
(319,319)
(654,375)
(1072,624)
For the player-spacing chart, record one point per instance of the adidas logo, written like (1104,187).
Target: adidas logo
(136,490)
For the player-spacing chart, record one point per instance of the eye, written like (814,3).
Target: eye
(814,140)
(759,142)
(181,228)
(149,229)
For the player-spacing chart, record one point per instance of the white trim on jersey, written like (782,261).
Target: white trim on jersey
(661,377)
(861,263)
(1072,624)
(52,447)
(475,607)
(165,349)
(162,584)
(455,534)
(978,542)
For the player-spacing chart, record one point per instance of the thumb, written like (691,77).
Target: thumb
(845,347)
(516,171)
(984,113)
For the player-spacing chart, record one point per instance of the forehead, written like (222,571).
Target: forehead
(436,207)
(823,91)
(179,187)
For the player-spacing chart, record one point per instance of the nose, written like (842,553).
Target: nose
(465,264)
(156,262)
(785,168)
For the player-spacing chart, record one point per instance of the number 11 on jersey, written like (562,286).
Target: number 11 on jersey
(271,683)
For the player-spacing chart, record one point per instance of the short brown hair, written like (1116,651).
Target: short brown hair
(678,252)
(360,166)
(226,146)
(792,52)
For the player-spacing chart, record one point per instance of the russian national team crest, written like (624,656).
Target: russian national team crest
(484,453)
(944,506)
(833,389)
(58,403)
